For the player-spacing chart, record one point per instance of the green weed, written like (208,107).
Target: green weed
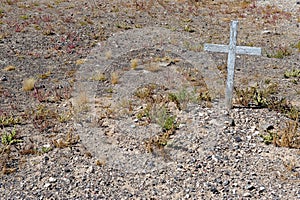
(162,117)
(268,138)
(9,120)
(293,73)
(280,53)
(183,97)
(46,149)
(10,138)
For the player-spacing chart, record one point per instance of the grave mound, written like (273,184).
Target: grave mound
(135,82)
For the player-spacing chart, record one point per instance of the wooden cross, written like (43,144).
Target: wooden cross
(232,50)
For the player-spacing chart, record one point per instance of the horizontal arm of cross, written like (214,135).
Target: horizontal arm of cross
(239,49)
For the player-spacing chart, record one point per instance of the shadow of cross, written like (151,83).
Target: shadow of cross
(232,50)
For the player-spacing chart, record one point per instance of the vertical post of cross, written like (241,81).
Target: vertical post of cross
(230,64)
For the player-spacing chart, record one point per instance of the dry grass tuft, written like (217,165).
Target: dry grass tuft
(114,78)
(28,84)
(10,68)
(288,137)
(134,63)
(108,55)
(99,77)
(69,140)
(153,68)
(100,163)
(80,61)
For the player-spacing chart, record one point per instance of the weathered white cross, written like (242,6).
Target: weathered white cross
(232,50)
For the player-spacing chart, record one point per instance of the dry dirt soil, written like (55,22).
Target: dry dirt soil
(118,100)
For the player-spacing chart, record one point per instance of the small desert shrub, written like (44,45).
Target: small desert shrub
(69,140)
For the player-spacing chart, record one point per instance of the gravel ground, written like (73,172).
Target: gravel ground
(76,148)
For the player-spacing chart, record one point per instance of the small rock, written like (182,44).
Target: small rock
(247,194)
(67,170)
(256,133)
(230,122)
(52,180)
(250,187)
(181,126)
(266,32)
(215,158)
(261,189)
(47,185)
(214,190)
(3,78)
(267,127)
(225,183)
(90,170)
(238,139)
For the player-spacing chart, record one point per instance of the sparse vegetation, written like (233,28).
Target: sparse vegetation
(280,53)
(80,61)
(161,116)
(287,137)
(262,97)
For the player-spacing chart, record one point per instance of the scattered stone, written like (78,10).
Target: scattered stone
(261,189)
(238,139)
(225,183)
(214,190)
(90,170)
(3,78)
(247,194)
(267,127)
(52,180)
(47,185)
(250,187)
